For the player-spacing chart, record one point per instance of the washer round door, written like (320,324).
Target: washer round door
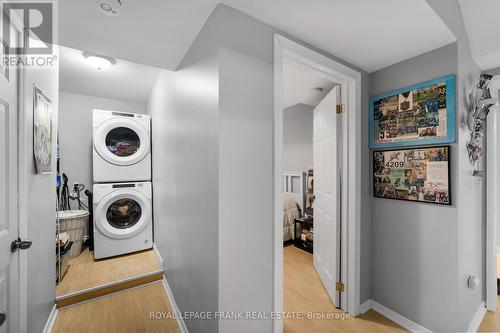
(122,214)
(121,141)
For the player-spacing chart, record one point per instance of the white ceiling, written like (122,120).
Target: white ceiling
(300,86)
(369,34)
(124,80)
(483,31)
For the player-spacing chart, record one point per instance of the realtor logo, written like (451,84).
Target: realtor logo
(28,30)
(37,19)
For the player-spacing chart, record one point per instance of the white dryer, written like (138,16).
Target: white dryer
(122,146)
(122,218)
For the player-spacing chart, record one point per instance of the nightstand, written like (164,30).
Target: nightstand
(304,233)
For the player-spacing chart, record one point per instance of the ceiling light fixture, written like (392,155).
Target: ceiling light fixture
(97,61)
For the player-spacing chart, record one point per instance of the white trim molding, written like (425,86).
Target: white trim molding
(277,185)
(350,81)
(24,160)
(106,295)
(492,195)
(178,316)
(109,284)
(410,325)
(477,318)
(49,324)
(365,306)
(157,255)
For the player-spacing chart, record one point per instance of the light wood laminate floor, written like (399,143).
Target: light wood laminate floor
(84,272)
(491,320)
(128,311)
(304,292)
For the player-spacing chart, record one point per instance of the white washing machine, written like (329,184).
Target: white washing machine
(122,146)
(122,218)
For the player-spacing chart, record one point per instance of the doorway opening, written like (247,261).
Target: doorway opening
(321,177)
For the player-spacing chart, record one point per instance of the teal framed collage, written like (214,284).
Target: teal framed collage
(408,129)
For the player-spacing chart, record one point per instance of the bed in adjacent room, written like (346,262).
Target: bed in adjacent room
(293,202)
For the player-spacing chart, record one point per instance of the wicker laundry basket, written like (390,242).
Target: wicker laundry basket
(65,253)
(74,223)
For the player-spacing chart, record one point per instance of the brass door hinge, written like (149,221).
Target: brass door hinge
(339,286)
(340,108)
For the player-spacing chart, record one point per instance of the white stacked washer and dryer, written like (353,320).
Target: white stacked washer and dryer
(122,183)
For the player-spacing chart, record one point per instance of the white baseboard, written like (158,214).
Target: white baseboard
(158,256)
(180,321)
(394,316)
(51,320)
(365,306)
(477,318)
(498,249)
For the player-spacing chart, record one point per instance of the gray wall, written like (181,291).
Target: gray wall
(216,150)
(246,126)
(41,203)
(184,106)
(246,100)
(75,132)
(414,245)
(422,254)
(298,137)
(246,169)
(470,192)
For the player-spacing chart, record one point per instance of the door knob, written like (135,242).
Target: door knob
(20,244)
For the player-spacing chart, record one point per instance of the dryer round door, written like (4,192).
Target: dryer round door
(122,214)
(121,141)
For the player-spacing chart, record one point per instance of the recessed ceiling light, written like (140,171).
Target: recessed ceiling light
(97,61)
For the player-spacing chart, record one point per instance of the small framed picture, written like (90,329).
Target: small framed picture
(42,131)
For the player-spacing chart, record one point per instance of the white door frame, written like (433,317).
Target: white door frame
(18,24)
(492,195)
(24,159)
(350,81)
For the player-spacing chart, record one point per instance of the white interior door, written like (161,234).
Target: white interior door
(9,262)
(327,191)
